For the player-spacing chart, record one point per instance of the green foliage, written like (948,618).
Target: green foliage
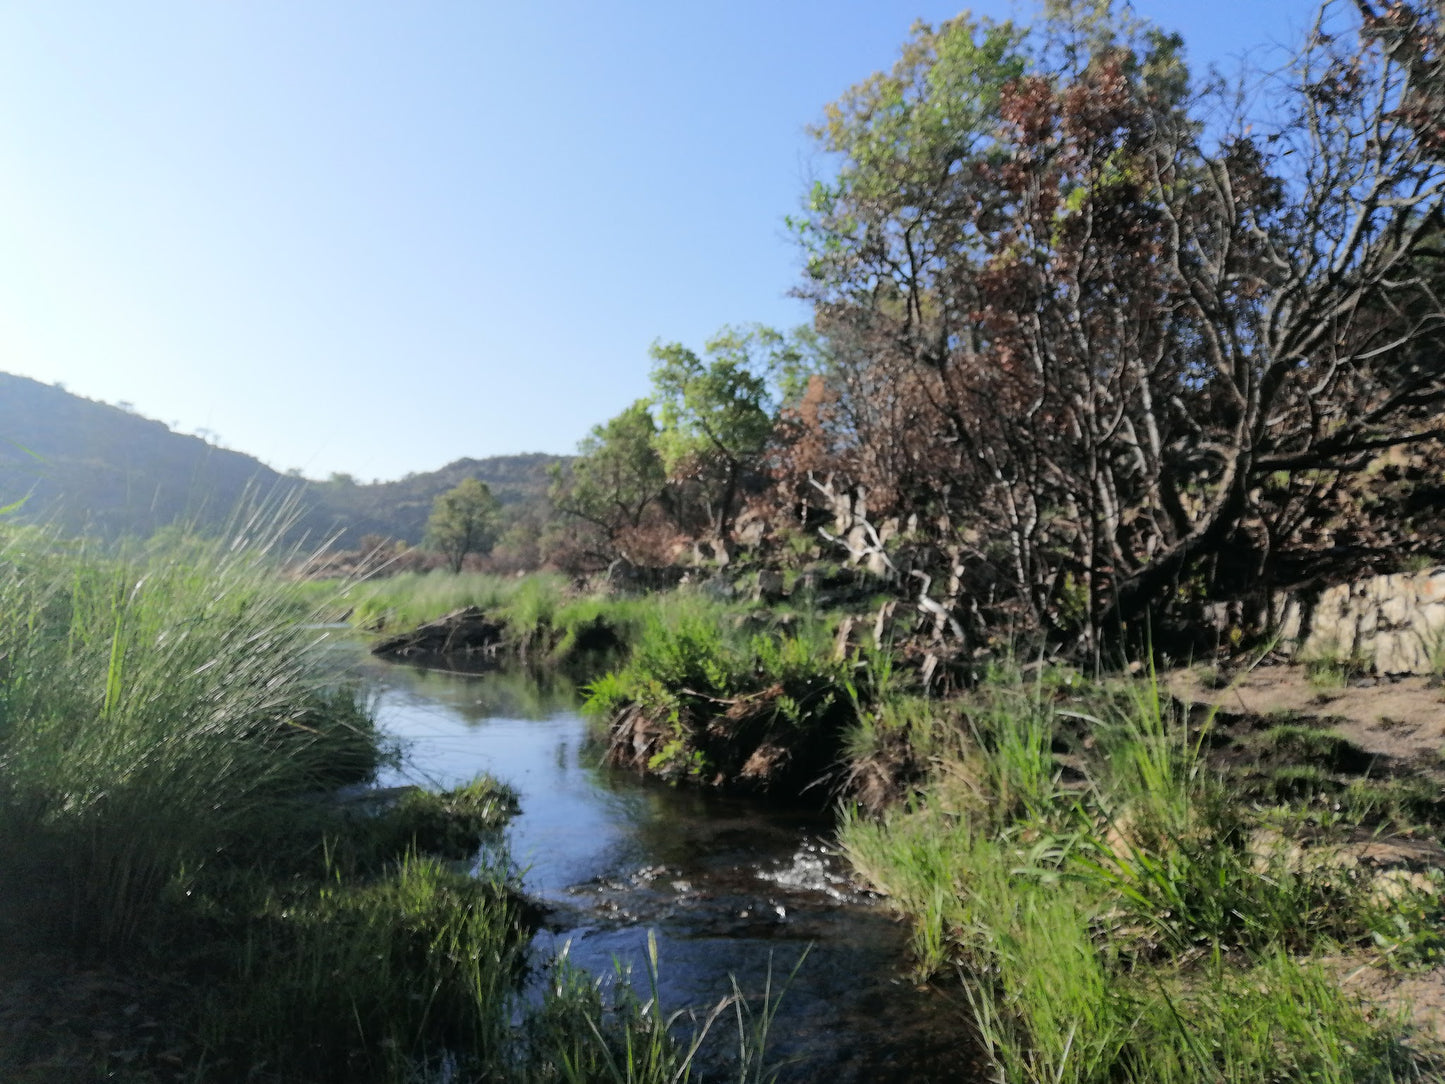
(533,608)
(1122,927)
(589,1032)
(618,474)
(899,132)
(463,521)
(714,405)
(685,656)
(720,693)
(717,411)
(413,598)
(450,824)
(348,983)
(546,620)
(1331,672)
(1407,805)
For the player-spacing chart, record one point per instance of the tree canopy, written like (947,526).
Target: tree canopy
(463,521)
(617,479)
(1096,343)
(1090,345)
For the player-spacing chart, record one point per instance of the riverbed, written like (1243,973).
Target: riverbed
(732,889)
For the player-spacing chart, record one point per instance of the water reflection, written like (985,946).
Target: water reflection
(731,887)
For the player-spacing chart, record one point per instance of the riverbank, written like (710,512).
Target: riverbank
(1129,885)
(200,886)
(1133,879)
(1137,889)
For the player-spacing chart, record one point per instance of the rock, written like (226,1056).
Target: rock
(750,529)
(883,625)
(770,587)
(1400,652)
(467,631)
(719,587)
(623,575)
(1290,622)
(1393,624)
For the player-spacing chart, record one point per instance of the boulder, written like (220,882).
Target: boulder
(770,586)
(1393,624)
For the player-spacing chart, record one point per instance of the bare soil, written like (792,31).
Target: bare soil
(1401,718)
(1400,724)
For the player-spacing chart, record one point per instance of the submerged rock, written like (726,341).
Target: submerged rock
(467,631)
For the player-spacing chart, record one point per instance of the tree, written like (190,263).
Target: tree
(717,413)
(616,481)
(463,520)
(1099,349)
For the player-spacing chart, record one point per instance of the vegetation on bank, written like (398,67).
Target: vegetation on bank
(1091,353)
(175,825)
(1128,888)
(1124,906)
(725,703)
(589,626)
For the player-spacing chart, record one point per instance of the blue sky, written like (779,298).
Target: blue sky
(376,237)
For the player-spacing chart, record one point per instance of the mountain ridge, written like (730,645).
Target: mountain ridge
(88,467)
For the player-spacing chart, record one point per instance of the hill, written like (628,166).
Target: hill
(399,509)
(92,468)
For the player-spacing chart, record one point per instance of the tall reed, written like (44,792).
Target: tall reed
(157,707)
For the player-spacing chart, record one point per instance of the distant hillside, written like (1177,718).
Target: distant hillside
(91,468)
(400,509)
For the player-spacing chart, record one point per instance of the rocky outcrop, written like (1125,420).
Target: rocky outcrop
(1393,624)
(623,575)
(771,587)
(467,631)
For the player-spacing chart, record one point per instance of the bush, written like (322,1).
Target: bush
(697,700)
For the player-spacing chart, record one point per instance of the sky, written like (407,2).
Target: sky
(373,238)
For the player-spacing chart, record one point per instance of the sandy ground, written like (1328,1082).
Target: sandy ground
(1400,720)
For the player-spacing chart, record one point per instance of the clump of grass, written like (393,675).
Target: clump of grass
(595,1031)
(1314,745)
(547,621)
(1122,929)
(888,747)
(346,982)
(373,829)
(411,599)
(1301,782)
(703,699)
(531,610)
(1330,673)
(1404,805)
(156,711)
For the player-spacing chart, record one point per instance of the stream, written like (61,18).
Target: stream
(732,888)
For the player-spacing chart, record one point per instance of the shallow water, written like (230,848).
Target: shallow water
(731,888)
